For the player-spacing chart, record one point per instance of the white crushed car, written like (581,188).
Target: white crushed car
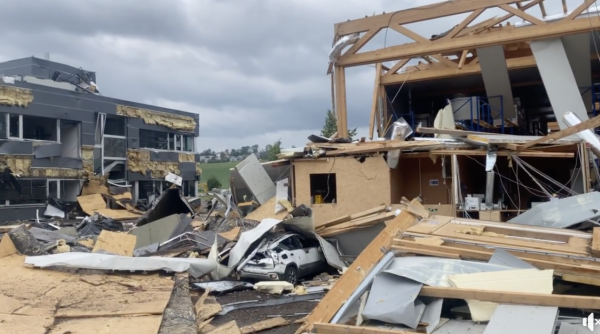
(283,257)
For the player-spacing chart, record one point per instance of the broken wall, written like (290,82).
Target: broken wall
(421,177)
(172,121)
(359,186)
(143,164)
(15,96)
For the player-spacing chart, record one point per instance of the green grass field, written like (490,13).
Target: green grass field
(220,170)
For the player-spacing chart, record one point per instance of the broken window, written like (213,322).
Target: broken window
(166,141)
(33,191)
(33,128)
(114,126)
(100,121)
(188,143)
(323,188)
(189,188)
(115,169)
(53,188)
(69,190)
(115,147)
(69,137)
(153,139)
(3,127)
(14,126)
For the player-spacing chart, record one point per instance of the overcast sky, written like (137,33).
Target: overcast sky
(253,69)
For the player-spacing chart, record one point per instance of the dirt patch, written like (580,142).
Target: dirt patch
(248,316)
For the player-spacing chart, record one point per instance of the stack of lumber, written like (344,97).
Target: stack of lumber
(355,221)
(568,252)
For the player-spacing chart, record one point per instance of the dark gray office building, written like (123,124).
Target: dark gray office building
(57,129)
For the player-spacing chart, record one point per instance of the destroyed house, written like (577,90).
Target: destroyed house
(459,118)
(57,129)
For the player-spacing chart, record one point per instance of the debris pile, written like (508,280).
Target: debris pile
(440,274)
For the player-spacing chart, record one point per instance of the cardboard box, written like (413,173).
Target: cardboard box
(493,216)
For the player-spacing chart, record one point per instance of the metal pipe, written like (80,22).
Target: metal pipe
(363,286)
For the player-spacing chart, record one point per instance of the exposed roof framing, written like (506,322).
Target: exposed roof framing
(462,37)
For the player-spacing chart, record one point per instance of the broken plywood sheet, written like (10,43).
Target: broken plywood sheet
(230,235)
(264,325)
(169,120)
(15,96)
(115,243)
(7,247)
(522,280)
(73,297)
(266,211)
(109,325)
(19,324)
(95,203)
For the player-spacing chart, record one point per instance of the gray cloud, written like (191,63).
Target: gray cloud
(253,69)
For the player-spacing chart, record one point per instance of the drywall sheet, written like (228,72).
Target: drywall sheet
(496,80)
(522,319)
(196,267)
(578,48)
(558,78)
(522,280)
(256,178)
(392,299)
(460,327)
(562,213)
(281,194)
(435,271)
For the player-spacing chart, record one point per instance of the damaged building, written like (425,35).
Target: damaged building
(57,129)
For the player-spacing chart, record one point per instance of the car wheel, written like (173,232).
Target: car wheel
(291,275)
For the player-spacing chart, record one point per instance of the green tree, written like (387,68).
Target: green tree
(213,183)
(330,126)
(271,151)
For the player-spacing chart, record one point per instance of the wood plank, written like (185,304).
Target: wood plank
(375,102)
(529,154)
(595,249)
(517,298)
(358,223)
(452,132)
(451,252)
(389,145)
(264,325)
(345,286)
(115,243)
(553,137)
(512,139)
(324,328)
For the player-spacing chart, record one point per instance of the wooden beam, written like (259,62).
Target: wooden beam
(420,39)
(499,36)
(458,133)
(463,57)
(417,14)
(340,97)
(447,72)
(595,249)
(509,297)
(564,6)
(529,154)
(368,258)
(464,23)
(495,21)
(585,5)
(473,67)
(375,102)
(543,9)
(523,15)
(323,328)
(364,39)
(397,67)
(585,125)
